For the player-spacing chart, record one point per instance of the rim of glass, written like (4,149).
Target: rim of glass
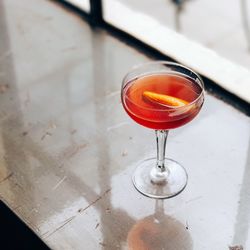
(166,63)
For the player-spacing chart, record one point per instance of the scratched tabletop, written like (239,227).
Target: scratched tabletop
(68,150)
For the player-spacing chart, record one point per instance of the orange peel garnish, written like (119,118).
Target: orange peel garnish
(164,99)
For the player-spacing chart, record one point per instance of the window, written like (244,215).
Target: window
(210,36)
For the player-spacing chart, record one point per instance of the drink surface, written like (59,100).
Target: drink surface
(162,101)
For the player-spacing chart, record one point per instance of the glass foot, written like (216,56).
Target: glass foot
(172,183)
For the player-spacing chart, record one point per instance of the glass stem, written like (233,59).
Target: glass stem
(159,173)
(161,140)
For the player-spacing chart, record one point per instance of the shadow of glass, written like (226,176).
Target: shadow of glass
(159,232)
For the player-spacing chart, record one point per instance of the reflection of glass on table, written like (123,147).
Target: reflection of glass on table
(159,231)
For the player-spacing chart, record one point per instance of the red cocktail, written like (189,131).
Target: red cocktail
(162,101)
(161,96)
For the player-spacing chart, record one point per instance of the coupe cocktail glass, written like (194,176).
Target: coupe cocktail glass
(161,95)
